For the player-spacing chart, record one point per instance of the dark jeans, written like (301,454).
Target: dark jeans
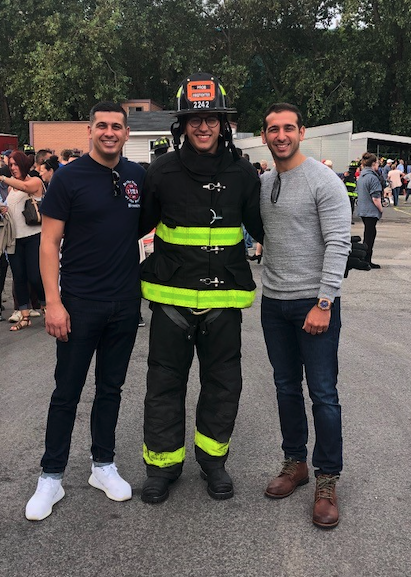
(25,267)
(3,272)
(396,194)
(110,329)
(370,232)
(290,349)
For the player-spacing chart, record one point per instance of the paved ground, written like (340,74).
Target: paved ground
(190,535)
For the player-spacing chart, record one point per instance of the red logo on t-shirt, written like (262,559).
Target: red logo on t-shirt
(131,190)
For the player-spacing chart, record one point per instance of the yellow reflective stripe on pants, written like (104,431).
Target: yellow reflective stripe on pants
(210,446)
(208,299)
(163,459)
(199,236)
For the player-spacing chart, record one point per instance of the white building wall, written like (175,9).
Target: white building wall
(358,147)
(137,148)
(336,147)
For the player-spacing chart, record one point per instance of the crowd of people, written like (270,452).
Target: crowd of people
(24,176)
(197,198)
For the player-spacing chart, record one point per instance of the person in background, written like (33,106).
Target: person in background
(264,166)
(161,146)
(369,190)
(74,156)
(394,178)
(4,171)
(39,158)
(386,168)
(48,167)
(24,262)
(307,221)
(407,179)
(350,182)
(65,155)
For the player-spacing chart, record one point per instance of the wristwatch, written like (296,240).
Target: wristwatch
(324,304)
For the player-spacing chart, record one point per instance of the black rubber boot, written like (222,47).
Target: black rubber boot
(219,483)
(155,489)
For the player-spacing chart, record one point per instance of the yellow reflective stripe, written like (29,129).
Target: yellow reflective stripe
(210,446)
(179,92)
(199,236)
(195,299)
(222,90)
(163,459)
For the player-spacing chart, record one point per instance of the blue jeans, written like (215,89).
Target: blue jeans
(110,329)
(247,239)
(396,194)
(290,349)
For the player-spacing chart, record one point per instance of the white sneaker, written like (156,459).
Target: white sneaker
(108,480)
(34,313)
(15,317)
(49,492)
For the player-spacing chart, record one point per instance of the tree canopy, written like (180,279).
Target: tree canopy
(337,60)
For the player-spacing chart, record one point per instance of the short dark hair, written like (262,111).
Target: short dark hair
(282,107)
(66,153)
(41,155)
(107,106)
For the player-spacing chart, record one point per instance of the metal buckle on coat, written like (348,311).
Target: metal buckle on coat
(214,216)
(209,281)
(215,249)
(212,186)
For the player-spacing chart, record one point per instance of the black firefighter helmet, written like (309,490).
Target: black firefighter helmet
(198,93)
(161,145)
(202,92)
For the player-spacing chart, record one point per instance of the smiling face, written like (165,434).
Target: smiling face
(108,135)
(202,136)
(283,137)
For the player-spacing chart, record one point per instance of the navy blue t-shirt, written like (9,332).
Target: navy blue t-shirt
(100,256)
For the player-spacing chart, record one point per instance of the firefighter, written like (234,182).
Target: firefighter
(350,182)
(197,281)
(161,146)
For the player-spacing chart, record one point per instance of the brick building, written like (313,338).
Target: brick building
(73,134)
(59,135)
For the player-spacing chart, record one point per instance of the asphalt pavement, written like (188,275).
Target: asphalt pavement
(191,535)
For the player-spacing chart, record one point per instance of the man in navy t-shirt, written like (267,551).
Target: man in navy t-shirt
(93,205)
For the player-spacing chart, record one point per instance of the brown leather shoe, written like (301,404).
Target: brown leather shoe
(293,474)
(325,513)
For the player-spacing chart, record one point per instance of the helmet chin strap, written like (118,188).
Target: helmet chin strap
(228,136)
(177,130)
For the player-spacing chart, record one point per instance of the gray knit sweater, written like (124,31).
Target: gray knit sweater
(306,233)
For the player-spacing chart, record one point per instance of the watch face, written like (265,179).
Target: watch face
(324,304)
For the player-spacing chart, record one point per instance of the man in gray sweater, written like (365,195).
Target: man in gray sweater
(307,220)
